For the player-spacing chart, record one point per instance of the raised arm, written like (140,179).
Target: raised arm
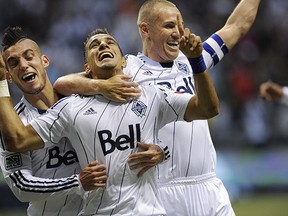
(12,129)
(118,88)
(239,22)
(205,104)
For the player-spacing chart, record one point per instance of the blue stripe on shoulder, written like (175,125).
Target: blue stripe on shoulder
(212,53)
(221,43)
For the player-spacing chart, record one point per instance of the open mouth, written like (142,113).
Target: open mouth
(105,55)
(174,44)
(29,77)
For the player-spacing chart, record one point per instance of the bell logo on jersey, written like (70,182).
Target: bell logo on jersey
(139,108)
(13,161)
(188,86)
(56,159)
(121,142)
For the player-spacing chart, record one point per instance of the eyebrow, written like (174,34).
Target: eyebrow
(108,38)
(24,53)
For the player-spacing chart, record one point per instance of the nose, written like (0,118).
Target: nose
(23,65)
(103,45)
(176,33)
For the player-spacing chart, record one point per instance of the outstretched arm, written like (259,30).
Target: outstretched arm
(239,22)
(205,104)
(117,88)
(271,91)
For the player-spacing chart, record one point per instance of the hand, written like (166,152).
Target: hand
(119,89)
(150,157)
(190,44)
(93,176)
(2,68)
(271,91)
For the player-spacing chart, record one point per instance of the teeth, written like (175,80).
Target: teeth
(173,43)
(27,75)
(105,55)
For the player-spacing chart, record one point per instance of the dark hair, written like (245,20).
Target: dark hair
(95,32)
(11,36)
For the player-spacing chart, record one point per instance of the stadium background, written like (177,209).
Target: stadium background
(250,135)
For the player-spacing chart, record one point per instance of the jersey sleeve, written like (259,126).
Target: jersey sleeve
(173,105)
(53,125)
(17,172)
(214,49)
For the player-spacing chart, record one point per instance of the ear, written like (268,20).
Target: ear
(45,61)
(124,62)
(9,77)
(87,68)
(144,28)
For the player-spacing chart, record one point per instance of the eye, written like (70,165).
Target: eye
(12,63)
(95,44)
(170,25)
(29,57)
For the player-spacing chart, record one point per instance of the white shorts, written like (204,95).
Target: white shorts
(203,195)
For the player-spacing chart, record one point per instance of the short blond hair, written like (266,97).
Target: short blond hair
(147,10)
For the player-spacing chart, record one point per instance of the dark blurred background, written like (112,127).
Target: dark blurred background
(250,135)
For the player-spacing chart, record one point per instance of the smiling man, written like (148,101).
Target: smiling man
(47,178)
(108,131)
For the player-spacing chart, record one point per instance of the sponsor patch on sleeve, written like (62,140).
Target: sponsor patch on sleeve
(13,161)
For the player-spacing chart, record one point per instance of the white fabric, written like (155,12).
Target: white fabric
(4,90)
(46,177)
(108,131)
(190,144)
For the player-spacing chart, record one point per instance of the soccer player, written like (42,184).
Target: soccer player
(108,131)
(47,178)
(271,91)
(188,180)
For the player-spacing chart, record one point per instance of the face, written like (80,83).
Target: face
(26,66)
(104,57)
(164,35)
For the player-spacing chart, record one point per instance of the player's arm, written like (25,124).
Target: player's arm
(271,91)
(26,187)
(117,88)
(19,137)
(16,136)
(205,104)
(239,22)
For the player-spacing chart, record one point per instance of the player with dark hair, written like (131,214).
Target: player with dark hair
(188,180)
(107,131)
(46,178)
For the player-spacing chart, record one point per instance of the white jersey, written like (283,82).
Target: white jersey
(38,176)
(187,180)
(190,144)
(108,132)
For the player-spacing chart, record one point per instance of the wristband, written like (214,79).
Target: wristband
(198,65)
(4,90)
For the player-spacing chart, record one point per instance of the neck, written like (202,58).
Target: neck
(106,74)
(44,99)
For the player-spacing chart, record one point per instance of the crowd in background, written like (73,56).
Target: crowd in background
(61,26)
